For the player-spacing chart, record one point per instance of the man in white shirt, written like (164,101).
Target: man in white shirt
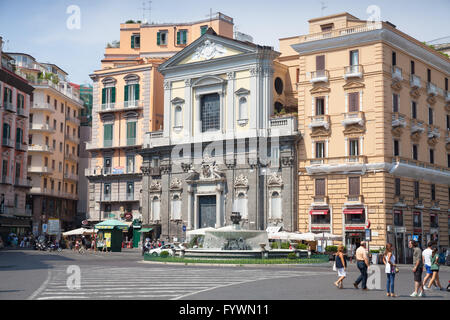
(426,257)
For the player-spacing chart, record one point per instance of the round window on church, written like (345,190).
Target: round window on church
(279,86)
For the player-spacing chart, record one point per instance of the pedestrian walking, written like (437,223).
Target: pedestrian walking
(417,269)
(435,269)
(341,266)
(362,262)
(426,259)
(390,270)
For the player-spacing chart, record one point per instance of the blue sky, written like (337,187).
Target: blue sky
(40,28)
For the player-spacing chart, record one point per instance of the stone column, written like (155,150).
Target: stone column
(196,225)
(219,190)
(190,217)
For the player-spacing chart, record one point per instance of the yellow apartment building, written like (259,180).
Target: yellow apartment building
(53,145)
(128,101)
(373,104)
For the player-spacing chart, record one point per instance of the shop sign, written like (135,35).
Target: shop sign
(128,216)
(53,226)
(400,229)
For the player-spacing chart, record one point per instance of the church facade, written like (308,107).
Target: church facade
(227,144)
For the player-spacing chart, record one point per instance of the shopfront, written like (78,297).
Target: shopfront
(355,221)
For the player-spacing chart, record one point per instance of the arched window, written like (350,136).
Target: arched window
(178,117)
(156,208)
(176,207)
(275,206)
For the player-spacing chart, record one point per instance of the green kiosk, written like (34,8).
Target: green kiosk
(110,235)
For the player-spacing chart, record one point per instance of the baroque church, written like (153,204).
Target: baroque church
(225,146)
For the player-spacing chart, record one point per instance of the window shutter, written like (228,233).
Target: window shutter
(103,95)
(108,132)
(126,93)
(113,94)
(353,102)
(320,63)
(158,38)
(132,42)
(136,92)
(320,187)
(353,183)
(178,37)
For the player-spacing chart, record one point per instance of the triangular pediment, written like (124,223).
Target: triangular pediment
(353,85)
(319,90)
(206,48)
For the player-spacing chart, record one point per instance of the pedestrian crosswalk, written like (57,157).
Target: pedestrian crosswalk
(156,283)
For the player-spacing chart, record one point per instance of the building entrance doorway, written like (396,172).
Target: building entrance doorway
(400,247)
(207,211)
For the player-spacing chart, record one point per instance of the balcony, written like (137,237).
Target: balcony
(43,107)
(320,121)
(72,138)
(319,76)
(355,71)
(121,106)
(283,126)
(70,176)
(155,139)
(419,170)
(21,146)
(41,170)
(447,96)
(8,143)
(398,120)
(24,183)
(338,160)
(417,126)
(432,90)
(6,180)
(62,87)
(351,118)
(433,132)
(364,27)
(348,164)
(72,119)
(42,128)
(415,81)
(397,73)
(9,106)
(21,112)
(71,157)
(40,148)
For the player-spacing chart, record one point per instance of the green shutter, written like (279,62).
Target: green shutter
(136,92)
(126,93)
(113,95)
(103,95)
(131,130)
(158,38)
(107,132)
(132,42)
(185,37)
(178,37)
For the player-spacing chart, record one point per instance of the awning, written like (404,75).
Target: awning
(319,212)
(398,211)
(353,211)
(143,230)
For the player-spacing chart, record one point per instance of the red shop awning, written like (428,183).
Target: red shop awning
(319,212)
(353,211)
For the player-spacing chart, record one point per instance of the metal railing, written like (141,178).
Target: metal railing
(432,89)
(415,81)
(341,32)
(397,73)
(39,148)
(8,142)
(319,76)
(353,71)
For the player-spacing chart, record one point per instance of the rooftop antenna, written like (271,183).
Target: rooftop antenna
(211,16)
(149,9)
(323,7)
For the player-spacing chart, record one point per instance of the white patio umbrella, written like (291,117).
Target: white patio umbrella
(78,232)
(326,236)
(282,235)
(198,232)
(309,236)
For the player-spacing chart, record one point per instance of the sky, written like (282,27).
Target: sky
(41,27)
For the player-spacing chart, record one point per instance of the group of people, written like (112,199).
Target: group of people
(428,260)
(12,240)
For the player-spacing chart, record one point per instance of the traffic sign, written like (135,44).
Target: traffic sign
(368,235)
(44,228)
(184,228)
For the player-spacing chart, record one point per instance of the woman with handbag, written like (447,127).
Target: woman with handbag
(340,266)
(435,269)
(391,269)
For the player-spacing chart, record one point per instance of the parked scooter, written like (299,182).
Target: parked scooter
(53,247)
(40,246)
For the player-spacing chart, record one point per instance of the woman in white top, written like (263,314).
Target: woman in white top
(389,262)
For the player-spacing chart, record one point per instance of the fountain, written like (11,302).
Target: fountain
(234,242)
